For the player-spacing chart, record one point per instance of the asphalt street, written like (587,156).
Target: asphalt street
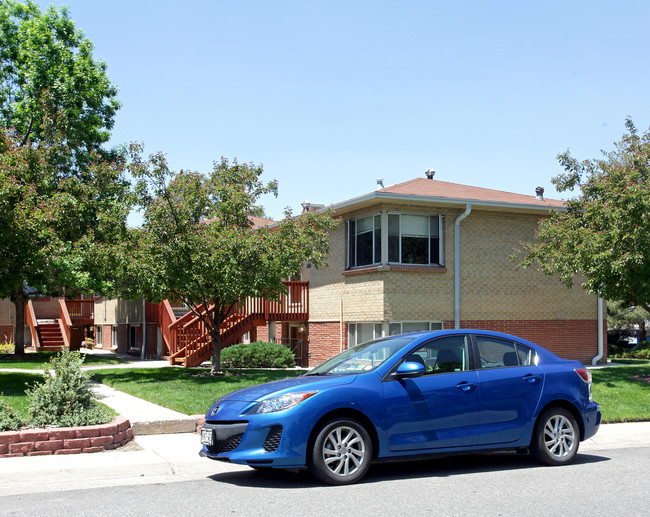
(600,482)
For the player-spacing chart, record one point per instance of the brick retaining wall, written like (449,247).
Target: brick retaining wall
(66,440)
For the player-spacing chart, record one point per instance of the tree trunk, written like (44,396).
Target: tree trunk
(216,353)
(19,333)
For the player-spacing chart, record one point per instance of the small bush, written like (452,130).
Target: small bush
(7,348)
(64,397)
(257,355)
(9,419)
(641,351)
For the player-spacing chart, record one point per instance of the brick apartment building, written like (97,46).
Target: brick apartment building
(427,254)
(419,255)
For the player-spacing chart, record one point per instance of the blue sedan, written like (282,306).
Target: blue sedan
(409,395)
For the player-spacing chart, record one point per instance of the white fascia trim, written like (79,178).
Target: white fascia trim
(437,200)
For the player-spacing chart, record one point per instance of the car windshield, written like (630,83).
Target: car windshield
(361,358)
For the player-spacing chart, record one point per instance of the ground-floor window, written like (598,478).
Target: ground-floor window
(114,337)
(98,337)
(361,332)
(403,327)
(134,336)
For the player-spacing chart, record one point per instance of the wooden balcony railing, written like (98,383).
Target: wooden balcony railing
(82,312)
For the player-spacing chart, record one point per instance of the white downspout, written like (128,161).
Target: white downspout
(459,219)
(144,330)
(600,332)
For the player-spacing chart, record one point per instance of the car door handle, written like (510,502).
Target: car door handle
(465,386)
(531,379)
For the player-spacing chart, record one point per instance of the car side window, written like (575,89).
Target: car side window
(448,354)
(499,353)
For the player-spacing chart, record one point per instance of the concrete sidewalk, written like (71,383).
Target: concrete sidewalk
(167,458)
(148,459)
(145,417)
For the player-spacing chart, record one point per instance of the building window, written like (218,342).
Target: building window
(415,239)
(98,337)
(404,327)
(361,332)
(134,337)
(364,241)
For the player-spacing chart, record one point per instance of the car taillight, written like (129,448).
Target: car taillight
(584,374)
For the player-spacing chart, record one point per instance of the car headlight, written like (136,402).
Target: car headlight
(282,402)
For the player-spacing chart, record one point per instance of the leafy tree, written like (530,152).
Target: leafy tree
(57,231)
(56,192)
(627,318)
(43,52)
(197,243)
(604,234)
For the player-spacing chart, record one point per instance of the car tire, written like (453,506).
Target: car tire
(556,437)
(341,453)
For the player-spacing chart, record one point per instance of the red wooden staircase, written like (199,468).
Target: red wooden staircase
(188,340)
(57,323)
(50,336)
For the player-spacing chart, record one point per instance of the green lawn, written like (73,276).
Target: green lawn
(188,390)
(621,397)
(38,360)
(192,391)
(12,389)
(13,386)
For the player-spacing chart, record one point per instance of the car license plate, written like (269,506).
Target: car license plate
(207,436)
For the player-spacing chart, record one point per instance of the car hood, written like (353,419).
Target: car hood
(307,383)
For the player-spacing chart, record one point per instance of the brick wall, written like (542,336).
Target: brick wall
(107,337)
(324,341)
(263,333)
(570,339)
(65,440)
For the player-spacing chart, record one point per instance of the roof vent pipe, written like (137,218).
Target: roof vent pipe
(430,173)
(539,193)
(380,183)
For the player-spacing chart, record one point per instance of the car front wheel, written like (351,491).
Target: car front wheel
(556,437)
(341,453)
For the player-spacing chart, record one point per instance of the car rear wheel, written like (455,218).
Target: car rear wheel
(341,453)
(556,437)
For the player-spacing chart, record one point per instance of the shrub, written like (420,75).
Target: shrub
(7,348)
(64,397)
(257,355)
(9,419)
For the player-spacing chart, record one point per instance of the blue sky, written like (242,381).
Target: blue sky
(330,95)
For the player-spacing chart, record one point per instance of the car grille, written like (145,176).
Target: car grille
(272,441)
(227,445)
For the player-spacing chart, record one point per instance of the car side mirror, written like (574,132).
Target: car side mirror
(409,370)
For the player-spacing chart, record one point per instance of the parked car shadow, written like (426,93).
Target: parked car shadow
(424,468)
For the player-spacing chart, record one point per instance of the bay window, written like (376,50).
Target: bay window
(414,239)
(364,241)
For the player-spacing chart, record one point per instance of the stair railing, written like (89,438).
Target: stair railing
(65,323)
(30,319)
